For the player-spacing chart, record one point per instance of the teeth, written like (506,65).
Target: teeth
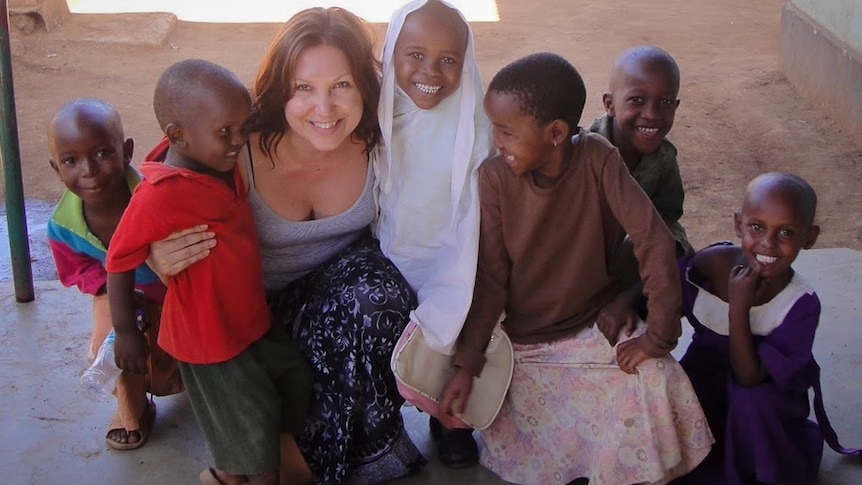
(649,131)
(764,259)
(510,158)
(428,89)
(324,126)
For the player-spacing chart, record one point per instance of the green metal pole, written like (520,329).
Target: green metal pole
(16,220)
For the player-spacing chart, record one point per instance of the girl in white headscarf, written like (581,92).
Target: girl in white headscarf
(435,135)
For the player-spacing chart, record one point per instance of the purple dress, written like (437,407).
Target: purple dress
(763,431)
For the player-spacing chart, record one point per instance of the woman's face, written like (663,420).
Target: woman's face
(325,104)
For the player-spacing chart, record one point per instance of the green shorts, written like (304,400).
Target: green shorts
(243,404)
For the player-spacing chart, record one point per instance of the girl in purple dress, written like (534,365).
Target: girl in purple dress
(750,359)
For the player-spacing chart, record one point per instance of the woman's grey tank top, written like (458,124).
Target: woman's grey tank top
(290,249)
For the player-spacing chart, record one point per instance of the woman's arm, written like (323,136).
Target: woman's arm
(180,250)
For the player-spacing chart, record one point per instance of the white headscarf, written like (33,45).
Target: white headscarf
(428,190)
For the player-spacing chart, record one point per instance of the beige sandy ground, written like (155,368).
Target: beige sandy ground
(738,117)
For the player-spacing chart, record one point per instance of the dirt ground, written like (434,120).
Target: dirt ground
(739,116)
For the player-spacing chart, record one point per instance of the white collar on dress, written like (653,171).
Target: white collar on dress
(712,312)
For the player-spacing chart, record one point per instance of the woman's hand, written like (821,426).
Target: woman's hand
(631,353)
(454,398)
(180,250)
(130,351)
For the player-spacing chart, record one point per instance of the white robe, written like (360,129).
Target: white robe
(428,190)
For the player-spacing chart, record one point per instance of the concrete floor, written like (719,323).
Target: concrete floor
(51,434)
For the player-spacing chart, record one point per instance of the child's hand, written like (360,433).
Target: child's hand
(617,315)
(130,351)
(454,398)
(630,353)
(742,286)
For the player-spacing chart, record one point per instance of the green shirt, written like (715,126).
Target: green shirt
(658,176)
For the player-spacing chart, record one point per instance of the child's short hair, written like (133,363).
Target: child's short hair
(105,110)
(648,53)
(798,191)
(182,84)
(549,88)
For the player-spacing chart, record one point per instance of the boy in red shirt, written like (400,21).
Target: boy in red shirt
(246,380)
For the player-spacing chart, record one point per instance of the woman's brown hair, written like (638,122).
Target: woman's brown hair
(334,27)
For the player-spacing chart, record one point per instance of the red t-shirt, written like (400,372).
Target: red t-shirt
(216,307)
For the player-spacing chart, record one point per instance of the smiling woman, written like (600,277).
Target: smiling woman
(312,129)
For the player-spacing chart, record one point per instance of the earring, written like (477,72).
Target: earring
(555,142)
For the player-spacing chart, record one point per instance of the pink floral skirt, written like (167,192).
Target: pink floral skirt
(571,412)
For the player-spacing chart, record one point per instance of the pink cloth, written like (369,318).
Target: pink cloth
(571,412)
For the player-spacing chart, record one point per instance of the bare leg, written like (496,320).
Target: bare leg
(214,476)
(131,390)
(294,470)
(265,478)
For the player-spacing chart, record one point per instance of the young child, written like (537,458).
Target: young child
(750,359)
(92,157)
(640,106)
(553,204)
(246,381)
(435,135)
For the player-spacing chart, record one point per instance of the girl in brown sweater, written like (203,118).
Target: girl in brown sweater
(554,203)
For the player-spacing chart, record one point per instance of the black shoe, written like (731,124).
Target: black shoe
(455,447)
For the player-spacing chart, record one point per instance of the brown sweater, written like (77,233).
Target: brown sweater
(544,252)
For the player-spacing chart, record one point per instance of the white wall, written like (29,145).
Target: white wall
(843,18)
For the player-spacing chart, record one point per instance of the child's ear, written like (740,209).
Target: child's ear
(128,150)
(737,223)
(811,236)
(558,130)
(608,102)
(175,134)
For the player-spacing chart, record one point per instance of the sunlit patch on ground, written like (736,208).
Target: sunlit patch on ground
(249,11)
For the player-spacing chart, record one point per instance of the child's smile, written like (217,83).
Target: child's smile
(427,89)
(764,260)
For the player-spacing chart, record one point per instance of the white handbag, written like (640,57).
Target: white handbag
(421,373)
